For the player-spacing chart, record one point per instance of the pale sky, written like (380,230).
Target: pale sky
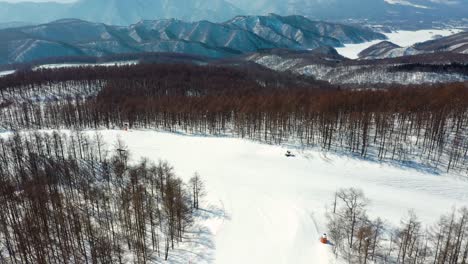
(16,1)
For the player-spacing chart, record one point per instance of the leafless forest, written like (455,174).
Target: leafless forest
(413,125)
(361,239)
(74,199)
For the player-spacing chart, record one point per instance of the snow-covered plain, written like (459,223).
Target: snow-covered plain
(272,208)
(5,73)
(71,65)
(402,38)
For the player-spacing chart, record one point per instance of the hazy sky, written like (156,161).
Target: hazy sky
(15,1)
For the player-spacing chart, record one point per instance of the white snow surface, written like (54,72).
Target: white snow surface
(273,207)
(5,73)
(405,3)
(71,65)
(403,38)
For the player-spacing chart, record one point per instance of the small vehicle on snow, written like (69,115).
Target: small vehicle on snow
(324,239)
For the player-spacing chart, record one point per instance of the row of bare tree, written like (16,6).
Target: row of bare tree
(72,199)
(422,125)
(359,239)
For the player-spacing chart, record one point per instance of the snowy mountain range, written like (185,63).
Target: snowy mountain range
(72,37)
(124,12)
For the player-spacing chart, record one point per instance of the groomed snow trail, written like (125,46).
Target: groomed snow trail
(273,207)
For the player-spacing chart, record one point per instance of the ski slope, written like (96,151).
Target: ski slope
(270,208)
(403,38)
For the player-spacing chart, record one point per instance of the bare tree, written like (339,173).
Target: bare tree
(198,190)
(354,203)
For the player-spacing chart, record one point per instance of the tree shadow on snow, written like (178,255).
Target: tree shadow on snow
(198,246)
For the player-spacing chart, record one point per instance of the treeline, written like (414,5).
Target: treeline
(240,77)
(406,124)
(360,239)
(459,68)
(143,57)
(72,199)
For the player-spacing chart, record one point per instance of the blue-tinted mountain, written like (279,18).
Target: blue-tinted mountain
(118,12)
(72,37)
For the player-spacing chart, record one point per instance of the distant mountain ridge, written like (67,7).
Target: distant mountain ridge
(126,12)
(72,37)
(118,12)
(457,43)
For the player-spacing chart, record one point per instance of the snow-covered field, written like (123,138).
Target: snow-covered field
(273,207)
(4,73)
(402,38)
(71,65)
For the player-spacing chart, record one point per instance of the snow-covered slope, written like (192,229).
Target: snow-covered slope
(386,49)
(457,43)
(302,32)
(274,206)
(403,38)
(339,70)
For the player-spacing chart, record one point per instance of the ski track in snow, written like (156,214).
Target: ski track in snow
(271,209)
(402,38)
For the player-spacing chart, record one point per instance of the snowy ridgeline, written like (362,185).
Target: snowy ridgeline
(356,74)
(262,207)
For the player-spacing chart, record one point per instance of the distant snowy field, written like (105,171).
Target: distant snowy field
(274,206)
(402,38)
(72,65)
(4,73)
